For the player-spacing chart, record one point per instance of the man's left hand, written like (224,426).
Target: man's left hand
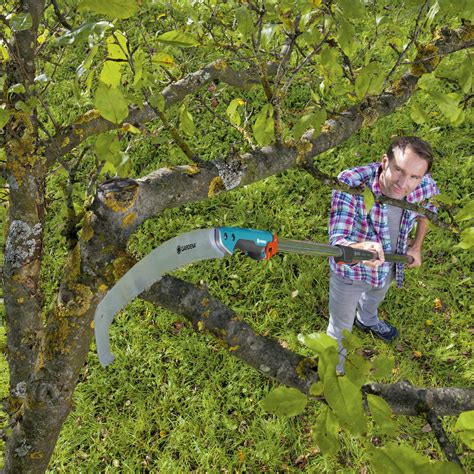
(414,252)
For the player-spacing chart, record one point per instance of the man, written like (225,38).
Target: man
(356,291)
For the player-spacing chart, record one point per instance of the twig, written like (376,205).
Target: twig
(407,47)
(287,50)
(241,130)
(442,437)
(60,16)
(304,62)
(308,165)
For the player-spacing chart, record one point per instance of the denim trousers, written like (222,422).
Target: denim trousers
(346,297)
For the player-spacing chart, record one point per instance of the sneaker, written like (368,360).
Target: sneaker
(382,330)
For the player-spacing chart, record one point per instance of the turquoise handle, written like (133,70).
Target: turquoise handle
(252,242)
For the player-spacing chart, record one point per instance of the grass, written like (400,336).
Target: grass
(176,401)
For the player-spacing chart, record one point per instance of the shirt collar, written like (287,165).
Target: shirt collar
(375,185)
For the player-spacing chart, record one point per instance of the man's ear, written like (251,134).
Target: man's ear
(385,161)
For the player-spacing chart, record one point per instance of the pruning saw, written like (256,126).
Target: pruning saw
(207,244)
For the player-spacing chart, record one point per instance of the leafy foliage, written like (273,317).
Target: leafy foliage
(347,49)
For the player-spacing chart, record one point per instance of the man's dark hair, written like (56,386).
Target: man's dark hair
(418,146)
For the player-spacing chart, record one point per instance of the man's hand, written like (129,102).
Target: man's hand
(414,252)
(374,247)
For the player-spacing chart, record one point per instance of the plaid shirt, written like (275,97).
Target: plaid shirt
(348,222)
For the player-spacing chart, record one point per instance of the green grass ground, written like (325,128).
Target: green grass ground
(175,401)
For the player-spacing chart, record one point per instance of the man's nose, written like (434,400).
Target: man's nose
(402,182)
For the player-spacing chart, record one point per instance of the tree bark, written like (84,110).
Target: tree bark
(273,361)
(45,358)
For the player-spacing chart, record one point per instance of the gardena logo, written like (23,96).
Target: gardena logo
(182,248)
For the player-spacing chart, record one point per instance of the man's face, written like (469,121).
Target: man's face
(401,175)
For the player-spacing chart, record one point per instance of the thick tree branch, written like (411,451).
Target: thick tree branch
(409,399)
(351,120)
(91,123)
(273,361)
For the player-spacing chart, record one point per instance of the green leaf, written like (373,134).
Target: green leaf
(397,459)
(4,55)
(313,120)
(418,113)
(316,389)
(467,239)
(461,8)
(20,21)
(325,432)
(186,123)
(383,366)
(16,89)
(369,80)
(329,61)
(232,113)
(4,117)
(382,414)
(245,23)
(117,46)
(311,37)
(428,82)
(327,350)
(345,399)
(111,73)
(178,38)
(441,467)
(357,369)
(369,200)
(466,213)
(111,103)
(346,36)
(464,428)
(123,169)
(86,64)
(138,60)
(164,59)
(87,31)
(284,401)
(465,74)
(350,341)
(444,199)
(107,148)
(318,342)
(263,128)
(112,8)
(352,8)
(449,106)
(158,101)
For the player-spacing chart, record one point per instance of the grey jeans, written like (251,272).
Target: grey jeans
(345,298)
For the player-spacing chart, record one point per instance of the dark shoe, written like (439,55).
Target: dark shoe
(382,330)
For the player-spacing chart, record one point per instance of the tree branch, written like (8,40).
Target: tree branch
(413,38)
(60,16)
(442,437)
(207,313)
(334,183)
(351,120)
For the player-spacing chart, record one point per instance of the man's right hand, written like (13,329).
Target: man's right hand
(374,247)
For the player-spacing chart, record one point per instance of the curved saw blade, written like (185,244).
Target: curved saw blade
(177,252)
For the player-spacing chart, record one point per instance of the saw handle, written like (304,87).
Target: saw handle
(256,244)
(353,255)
